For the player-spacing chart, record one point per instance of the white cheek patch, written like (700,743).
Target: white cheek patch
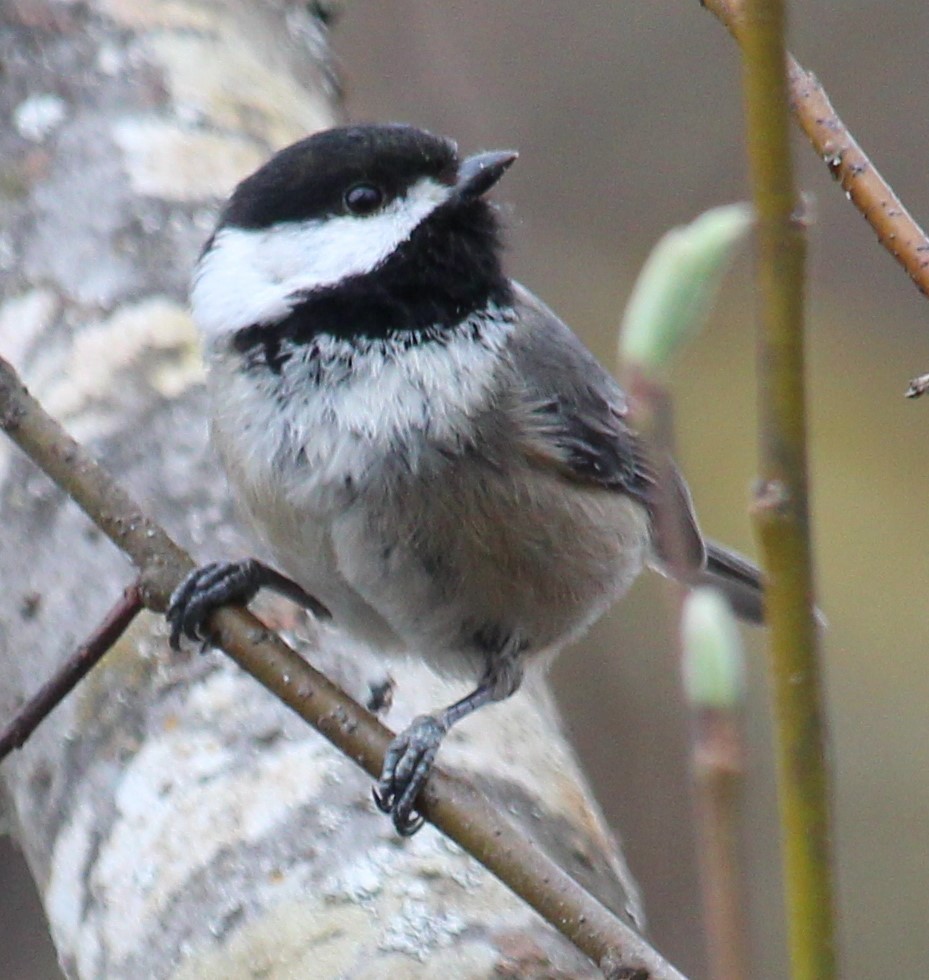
(249,276)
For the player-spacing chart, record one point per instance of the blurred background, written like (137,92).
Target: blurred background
(628,120)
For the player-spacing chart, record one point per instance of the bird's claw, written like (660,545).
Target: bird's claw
(407,765)
(203,591)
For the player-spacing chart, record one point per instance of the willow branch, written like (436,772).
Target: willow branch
(716,744)
(781,508)
(717,750)
(719,776)
(896,229)
(449,803)
(72,672)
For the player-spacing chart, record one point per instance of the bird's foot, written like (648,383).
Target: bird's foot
(407,765)
(204,590)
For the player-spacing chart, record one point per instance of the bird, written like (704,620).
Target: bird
(429,454)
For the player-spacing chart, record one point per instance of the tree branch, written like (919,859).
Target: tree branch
(896,229)
(450,804)
(72,672)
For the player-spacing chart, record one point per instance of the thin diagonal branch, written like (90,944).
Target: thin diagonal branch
(452,805)
(848,163)
(72,672)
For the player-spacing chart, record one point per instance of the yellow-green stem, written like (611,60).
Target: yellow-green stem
(781,508)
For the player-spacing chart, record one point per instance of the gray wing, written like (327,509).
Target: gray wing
(575,417)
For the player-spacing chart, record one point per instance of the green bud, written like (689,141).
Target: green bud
(676,287)
(714,672)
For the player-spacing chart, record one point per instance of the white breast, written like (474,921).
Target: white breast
(339,406)
(301,446)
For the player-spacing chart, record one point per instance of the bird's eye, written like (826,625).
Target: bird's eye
(363,198)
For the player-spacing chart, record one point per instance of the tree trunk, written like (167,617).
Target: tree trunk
(178,820)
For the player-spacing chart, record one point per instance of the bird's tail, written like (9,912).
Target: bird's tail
(737,578)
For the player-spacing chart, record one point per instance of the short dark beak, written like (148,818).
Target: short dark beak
(477,174)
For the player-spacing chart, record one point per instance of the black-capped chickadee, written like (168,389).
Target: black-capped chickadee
(428,451)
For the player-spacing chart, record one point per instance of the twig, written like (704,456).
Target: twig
(449,803)
(918,386)
(72,672)
(714,680)
(718,767)
(716,745)
(781,508)
(896,229)
(715,779)
(670,301)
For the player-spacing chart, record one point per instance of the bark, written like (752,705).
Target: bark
(178,820)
